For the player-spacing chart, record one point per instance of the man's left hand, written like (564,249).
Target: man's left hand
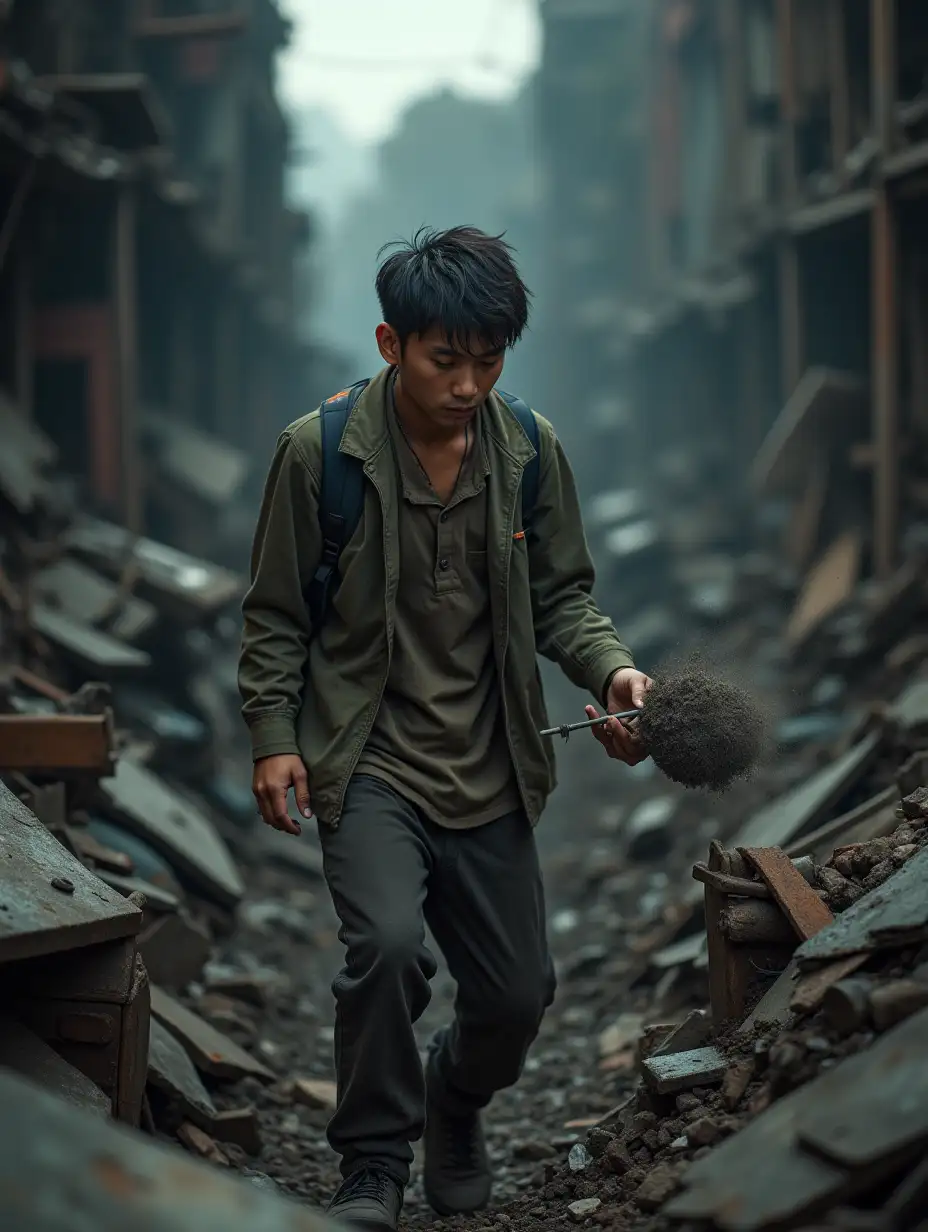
(626,692)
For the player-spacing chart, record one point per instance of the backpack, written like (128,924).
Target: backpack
(342,496)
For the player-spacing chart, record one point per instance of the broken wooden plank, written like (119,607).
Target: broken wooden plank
(681,1071)
(25,1053)
(193,589)
(57,743)
(79,592)
(792,814)
(854,1117)
(89,648)
(170,1070)
(48,900)
(774,1006)
(894,914)
(741,887)
(798,901)
(693,1032)
(200,1143)
(879,1105)
(827,587)
(825,402)
(316,1093)
(156,898)
(759,1178)
(812,986)
(146,805)
(211,1051)
(875,818)
(57,1160)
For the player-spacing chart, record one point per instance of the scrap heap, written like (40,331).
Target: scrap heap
(784,1087)
(121,832)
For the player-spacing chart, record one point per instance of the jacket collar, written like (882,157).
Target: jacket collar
(366,431)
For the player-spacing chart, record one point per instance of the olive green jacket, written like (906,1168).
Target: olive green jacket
(315,692)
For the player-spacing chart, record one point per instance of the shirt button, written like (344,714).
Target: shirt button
(443,516)
(444,563)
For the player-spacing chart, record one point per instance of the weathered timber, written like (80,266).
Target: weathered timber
(106,1040)
(818,1145)
(147,806)
(25,1053)
(170,1070)
(875,818)
(104,858)
(875,1104)
(89,648)
(729,970)
(754,922)
(798,901)
(200,1143)
(693,1032)
(741,887)
(57,743)
(681,1071)
(774,1006)
(811,986)
(791,815)
(156,898)
(211,1051)
(57,1160)
(48,900)
(894,914)
(85,596)
(192,589)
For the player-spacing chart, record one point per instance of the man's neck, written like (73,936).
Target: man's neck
(418,429)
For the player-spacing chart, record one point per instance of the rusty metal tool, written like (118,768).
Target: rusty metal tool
(567,728)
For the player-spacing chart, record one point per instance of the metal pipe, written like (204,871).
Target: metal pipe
(567,728)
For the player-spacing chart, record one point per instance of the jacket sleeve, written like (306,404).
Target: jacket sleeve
(569,627)
(276,629)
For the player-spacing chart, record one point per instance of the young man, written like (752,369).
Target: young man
(408,720)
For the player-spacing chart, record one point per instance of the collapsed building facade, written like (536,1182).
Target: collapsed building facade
(740,249)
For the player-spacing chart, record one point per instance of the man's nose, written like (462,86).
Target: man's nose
(465,386)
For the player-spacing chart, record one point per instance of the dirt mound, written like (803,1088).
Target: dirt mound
(702,731)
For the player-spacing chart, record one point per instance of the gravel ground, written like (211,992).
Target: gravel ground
(605,913)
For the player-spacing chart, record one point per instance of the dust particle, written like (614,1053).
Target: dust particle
(702,731)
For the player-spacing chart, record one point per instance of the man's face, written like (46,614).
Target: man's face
(446,381)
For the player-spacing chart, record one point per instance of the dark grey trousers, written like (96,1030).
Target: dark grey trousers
(390,870)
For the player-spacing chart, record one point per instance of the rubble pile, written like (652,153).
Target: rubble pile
(682,1146)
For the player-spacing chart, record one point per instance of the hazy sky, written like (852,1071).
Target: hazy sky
(365,60)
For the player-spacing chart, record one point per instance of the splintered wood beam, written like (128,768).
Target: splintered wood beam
(57,743)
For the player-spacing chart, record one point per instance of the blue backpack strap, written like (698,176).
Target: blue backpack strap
(341,500)
(526,418)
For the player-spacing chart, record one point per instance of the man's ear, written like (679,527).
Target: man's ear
(388,343)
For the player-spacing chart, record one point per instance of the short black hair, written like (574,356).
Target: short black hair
(462,280)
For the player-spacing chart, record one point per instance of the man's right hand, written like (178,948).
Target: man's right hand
(272,779)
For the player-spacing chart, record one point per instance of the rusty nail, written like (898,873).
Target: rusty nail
(62,884)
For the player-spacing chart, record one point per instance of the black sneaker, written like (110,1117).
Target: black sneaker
(456,1171)
(368,1198)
